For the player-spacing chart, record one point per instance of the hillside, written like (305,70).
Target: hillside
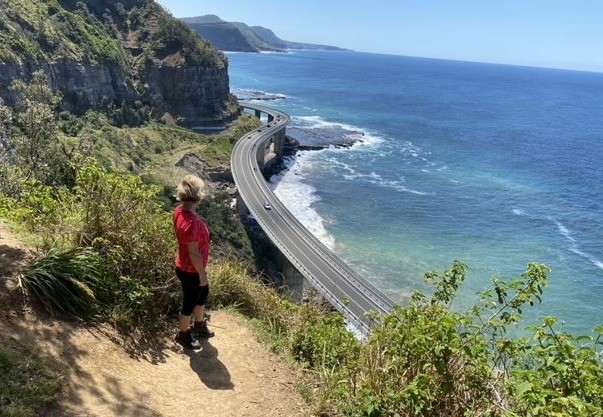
(101,53)
(237,36)
(102,375)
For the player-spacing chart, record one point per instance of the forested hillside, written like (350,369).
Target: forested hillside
(107,54)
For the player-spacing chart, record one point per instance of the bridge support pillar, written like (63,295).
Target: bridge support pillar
(241,208)
(294,281)
(258,114)
(279,139)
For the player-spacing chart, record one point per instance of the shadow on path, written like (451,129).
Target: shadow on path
(211,371)
(10,257)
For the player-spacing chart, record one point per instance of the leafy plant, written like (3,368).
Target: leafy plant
(35,138)
(559,375)
(430,361)
(321,341)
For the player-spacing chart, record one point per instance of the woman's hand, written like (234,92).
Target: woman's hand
(193,252)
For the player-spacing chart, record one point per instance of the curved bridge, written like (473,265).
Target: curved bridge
(344,288)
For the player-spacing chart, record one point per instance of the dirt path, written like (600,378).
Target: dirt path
(232,375)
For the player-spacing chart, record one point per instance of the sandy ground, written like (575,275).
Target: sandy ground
(232,375)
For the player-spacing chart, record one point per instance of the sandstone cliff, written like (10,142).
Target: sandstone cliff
(102,53)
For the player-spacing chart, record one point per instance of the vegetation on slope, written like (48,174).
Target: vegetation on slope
(97,31)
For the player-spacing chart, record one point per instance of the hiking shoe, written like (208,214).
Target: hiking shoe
(201,331)
(187,341)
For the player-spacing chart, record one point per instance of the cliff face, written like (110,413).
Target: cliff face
(194,93)
(100,53)
(82,84)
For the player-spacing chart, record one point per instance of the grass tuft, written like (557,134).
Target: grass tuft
(65,281)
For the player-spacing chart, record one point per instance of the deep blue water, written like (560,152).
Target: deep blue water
(493,165)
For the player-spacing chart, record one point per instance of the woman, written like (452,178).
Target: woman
(193,237)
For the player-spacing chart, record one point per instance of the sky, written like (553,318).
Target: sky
(543,33)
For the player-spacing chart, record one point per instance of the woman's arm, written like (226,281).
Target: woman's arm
(193,252)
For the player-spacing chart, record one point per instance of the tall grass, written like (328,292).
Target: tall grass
(68,282)
(232,285)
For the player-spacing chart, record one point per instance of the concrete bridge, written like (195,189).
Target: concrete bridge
(343,287)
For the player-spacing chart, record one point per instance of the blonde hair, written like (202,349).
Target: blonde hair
(192,188)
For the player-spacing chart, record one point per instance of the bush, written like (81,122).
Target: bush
(123,219)
(321,341)
(559,374)
(427,360)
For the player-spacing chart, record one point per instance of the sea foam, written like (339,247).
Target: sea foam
(298,197)
(257,95)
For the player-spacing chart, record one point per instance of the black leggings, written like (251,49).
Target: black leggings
(192,294)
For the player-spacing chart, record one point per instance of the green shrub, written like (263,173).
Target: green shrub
(123,219)
(430,361)
(558,375)
(321,341)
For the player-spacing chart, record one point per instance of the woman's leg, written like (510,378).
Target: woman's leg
(190,295)
(199,310)
(200,327)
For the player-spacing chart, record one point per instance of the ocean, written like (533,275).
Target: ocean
(493,165)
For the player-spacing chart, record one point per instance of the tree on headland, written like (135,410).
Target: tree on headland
(34,141)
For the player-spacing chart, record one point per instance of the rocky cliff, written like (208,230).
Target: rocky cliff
(102,53)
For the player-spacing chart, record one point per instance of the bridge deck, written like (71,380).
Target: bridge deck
(345,289)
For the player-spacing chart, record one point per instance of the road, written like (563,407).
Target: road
(343,287)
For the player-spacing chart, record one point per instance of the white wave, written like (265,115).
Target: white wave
(408,149)
(588,257)
(257,95)
(336,163)
(376,179)
(519,212)
(286,51)
(574,247)
(362,137)
(351,174)
(298,197)
(565,232)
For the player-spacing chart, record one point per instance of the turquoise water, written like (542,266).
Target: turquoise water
(493,165)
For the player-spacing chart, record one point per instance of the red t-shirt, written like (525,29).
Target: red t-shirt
(190,228)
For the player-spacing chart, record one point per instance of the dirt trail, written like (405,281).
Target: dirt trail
(232,375)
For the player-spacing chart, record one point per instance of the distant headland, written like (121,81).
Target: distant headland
(240,37)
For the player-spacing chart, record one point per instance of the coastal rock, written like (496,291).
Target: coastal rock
(192,163)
